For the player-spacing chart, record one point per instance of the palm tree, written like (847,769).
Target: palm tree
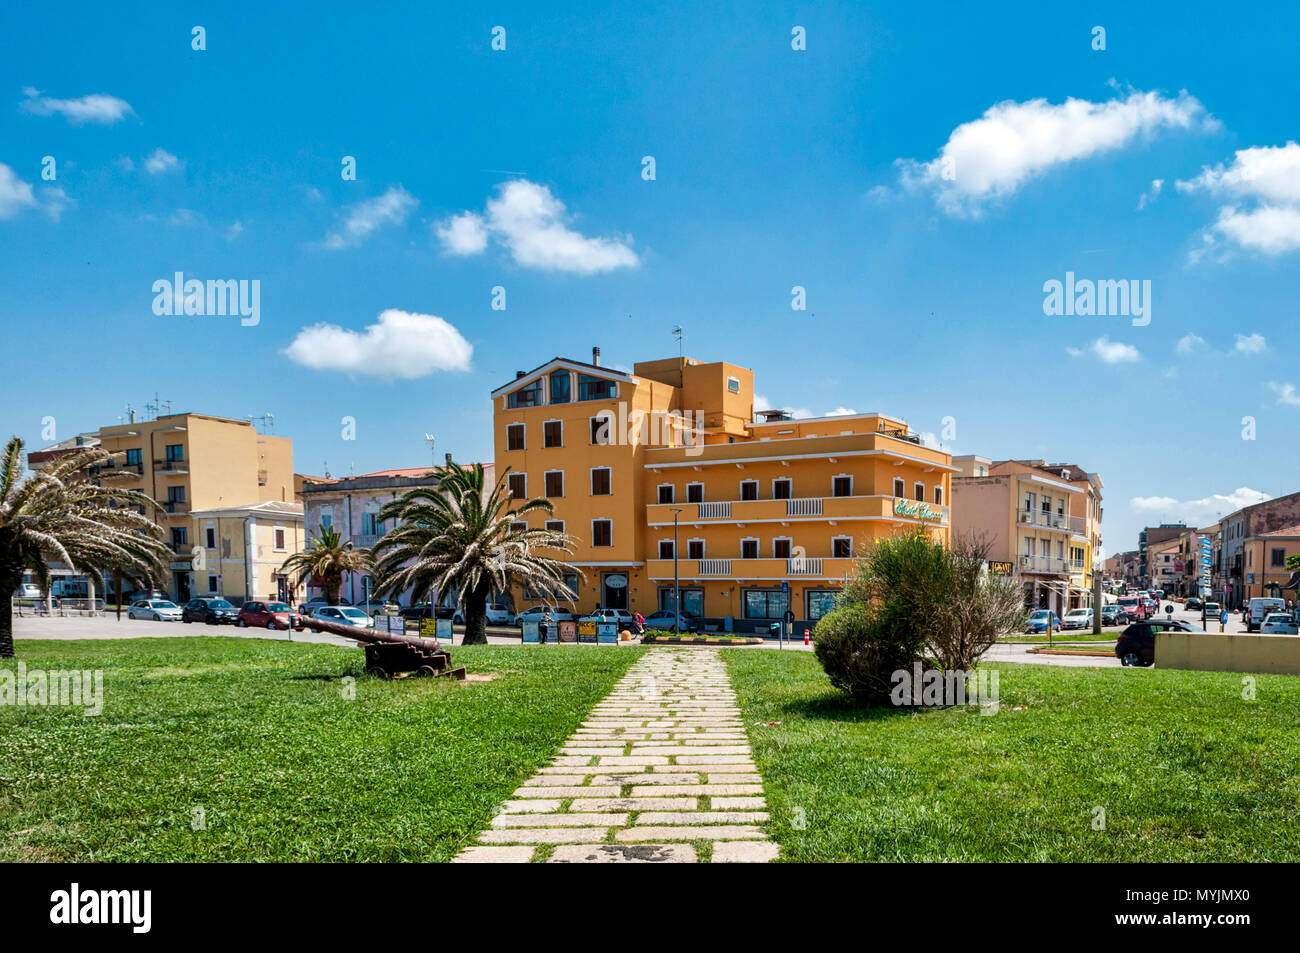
(459,535)
(328,557)
(59,513)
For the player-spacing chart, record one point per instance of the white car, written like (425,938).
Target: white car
(27,590)
(344,615)
(159,610)
(620,617)
(535,614)
(497,614)
(1279,623)
(1077,619)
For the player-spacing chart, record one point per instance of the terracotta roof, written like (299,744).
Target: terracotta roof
(1293,530)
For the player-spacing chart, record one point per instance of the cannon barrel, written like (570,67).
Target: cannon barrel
(369,635)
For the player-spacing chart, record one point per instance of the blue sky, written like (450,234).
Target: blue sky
(774,168)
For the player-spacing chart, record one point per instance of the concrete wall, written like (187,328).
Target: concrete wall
(1214,652)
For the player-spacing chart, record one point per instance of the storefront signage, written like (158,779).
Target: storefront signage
(1000,568)
(568,632)
(586,631)
(922,511)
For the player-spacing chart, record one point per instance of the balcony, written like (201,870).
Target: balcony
(177,506)
(171,466)
(1070,524)
(772,570)
(876,506)
(365,540)
(1050,565)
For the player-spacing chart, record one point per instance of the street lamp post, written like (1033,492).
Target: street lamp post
(677,591)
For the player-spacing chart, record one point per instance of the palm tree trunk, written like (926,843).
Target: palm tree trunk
(475,603)
(9,581)
(117,585)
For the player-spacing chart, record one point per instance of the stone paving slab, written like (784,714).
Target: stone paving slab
(669,734)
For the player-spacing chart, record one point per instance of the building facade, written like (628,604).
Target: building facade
(668,483)
(1266,572)
(1251,522)
(241,550)
(190,462)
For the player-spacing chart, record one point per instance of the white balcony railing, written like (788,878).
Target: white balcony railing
(715,567)
(808,506)
(714,511)
(804,566)
(1048,564)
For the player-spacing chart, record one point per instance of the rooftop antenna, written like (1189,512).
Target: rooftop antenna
(266,422)
(428,438)
(677,333)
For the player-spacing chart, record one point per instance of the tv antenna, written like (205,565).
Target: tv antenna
(264,423)
(428,438)
(677,333)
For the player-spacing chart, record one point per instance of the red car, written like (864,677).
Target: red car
(268,615)
(1133,607)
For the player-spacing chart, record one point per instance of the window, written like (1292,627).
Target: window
(766,603)
(842,486)
(595,388)
(781,488)
(733,385)
(553,433)
(695,493)
(842,547)
(1277,557)
(602,533)
(529,396)
(559,387)
(665,493)
(175,452)
(749,489)
(601,425)
(571,581)
(554,483)
(515,437)
(279,539)
(600,480)
(938,495)
(820,602)
(135,458)
(749,549)
(692,600)
(370,525)
(665,549)
(781,548)
(518,483)
(695,549)
(918,491)
(179,536)
(555,526)
(175,494)
(899,487)
(518,526)
(210,537)
(326,518)
(212,584)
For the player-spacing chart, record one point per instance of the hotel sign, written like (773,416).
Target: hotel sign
(1000,568)
(922,511)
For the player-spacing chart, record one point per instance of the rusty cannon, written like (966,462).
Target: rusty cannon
(389,654)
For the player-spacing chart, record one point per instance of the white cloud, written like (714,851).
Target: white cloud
(1250,344)
(234,231)
(531,223)
(1286,394)
(990,158)
(1268,177)
(463,234)
(1114,352)
(1074,351)
(1153,193)
(160,161)
(54,201)
(369,215)
(184,217)
(126,163)
(400,345)
(1202,512)
(15,194)
(96,108)
(841,412)
(1188,344)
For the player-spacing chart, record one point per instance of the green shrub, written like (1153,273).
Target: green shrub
(860,649)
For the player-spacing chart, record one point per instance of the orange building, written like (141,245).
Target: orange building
(668,461)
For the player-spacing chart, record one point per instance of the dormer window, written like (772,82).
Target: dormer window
(560,383)
(596,388)
(529,396)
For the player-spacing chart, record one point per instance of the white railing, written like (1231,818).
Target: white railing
(804,566)
(714,511)
(715,567)
(1043,564)
(808,506)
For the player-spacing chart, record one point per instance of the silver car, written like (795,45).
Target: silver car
(159,610)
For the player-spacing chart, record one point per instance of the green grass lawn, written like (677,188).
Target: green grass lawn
(259,736)
(1184,767)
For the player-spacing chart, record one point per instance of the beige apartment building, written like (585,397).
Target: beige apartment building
(241,549)
(192,464)
(1042,522)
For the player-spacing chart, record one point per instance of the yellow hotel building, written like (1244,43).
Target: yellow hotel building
(669,461)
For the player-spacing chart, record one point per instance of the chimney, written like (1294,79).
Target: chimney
(519,374)
(595,356)
(448,459)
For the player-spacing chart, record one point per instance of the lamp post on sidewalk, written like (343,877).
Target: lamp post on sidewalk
(677,592)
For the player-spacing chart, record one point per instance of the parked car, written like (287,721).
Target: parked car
(1041,619)
(1193,604)
(1279,623)
(374,607)
(664,619)
(1136,645)
(344,615)
(159,610)
(620,617)
(1077,619)
(1112,615)
(318,602)
(534,614)
(210,611)
(497,614)
(426,610)
(1134,607)
(268,615)
(1258,609)
(1212,610)
(28,590)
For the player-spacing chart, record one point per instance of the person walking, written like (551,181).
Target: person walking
(640,623)
(548,619)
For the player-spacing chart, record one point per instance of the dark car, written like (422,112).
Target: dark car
(210,611)
(663,620)
(1193,605)
(1136,645)
(426,610)
(1112,615)
(269,615)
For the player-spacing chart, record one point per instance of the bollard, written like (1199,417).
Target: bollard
(805,637)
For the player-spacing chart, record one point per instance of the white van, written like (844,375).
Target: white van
(1259,608)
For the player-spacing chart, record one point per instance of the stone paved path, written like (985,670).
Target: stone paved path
(660,770)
